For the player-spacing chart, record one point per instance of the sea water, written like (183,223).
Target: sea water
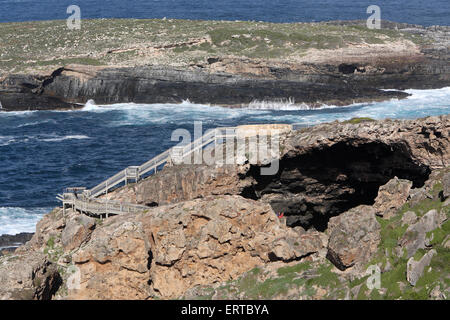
(431,12)
(42,152)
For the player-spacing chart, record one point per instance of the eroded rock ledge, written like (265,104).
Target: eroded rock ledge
(69,88)
(386,204)
(324,170)
(400,56)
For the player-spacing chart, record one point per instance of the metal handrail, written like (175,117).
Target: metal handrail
(89,203)
(158,160)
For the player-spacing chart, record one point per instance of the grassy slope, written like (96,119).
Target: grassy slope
(39,45)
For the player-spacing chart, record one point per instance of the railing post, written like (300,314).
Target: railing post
(216,137)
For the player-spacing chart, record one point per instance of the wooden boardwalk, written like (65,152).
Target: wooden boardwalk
(87,201)
(98,207)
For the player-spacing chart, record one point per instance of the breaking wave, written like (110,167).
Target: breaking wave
(14,220)
(42,152)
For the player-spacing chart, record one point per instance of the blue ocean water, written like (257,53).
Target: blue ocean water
(427,13)
(42,152)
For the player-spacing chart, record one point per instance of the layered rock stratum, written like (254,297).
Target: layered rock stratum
(43,65)
(353,195)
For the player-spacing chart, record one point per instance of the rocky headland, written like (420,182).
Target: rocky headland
(9,243)
(354,194)
(45,66)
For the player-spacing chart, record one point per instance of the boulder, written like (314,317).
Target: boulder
(391,197)
(114,263)
(49,227)
(446,185)
(354,237)
(170,249)
(408,218)
(415,236)
(437,294)
(77,231)
(209,240)
(415,269)
(28,277)
(418,195)
(446,242)
(294,246)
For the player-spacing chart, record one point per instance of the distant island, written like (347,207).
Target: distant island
(43,65)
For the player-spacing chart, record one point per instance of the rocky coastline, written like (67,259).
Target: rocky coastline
(9,243)
(212,232)
(340,71)
(347,195)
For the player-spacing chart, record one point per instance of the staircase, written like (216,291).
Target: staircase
(86,200)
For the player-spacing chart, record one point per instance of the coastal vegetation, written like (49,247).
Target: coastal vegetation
(42,45)
(318,279)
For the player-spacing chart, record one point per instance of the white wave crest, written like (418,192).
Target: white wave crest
(35,123)
(7,140)
(14,220)
(280,104)
(90,106)
(289,105)
(58,139)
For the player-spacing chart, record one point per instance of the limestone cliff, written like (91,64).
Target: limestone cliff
(224,63)
(353,195)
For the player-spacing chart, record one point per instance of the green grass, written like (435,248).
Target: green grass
(53,251)
(304,279)
(294,269)
(51,242)
(41,44)
(419,254)
(326,278)
(391,232)
(252,287)
(438,236)
(359,120)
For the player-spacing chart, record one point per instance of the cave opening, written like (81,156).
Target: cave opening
(347,68)
(350,68)
(152,204)
(312,187)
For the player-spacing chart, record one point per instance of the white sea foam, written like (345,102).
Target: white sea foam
(7,140)
(284,105)
(14,220)
(90,106)
(35,123)
(17,113)
(135,113)
(58,139)
(437,101)
(421,103)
